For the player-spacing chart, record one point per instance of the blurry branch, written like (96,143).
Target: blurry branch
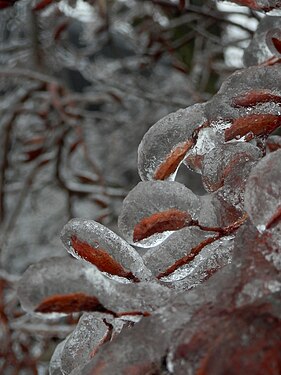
(27,74)
(35,41)
(7,126)
(209,13)
(11,221)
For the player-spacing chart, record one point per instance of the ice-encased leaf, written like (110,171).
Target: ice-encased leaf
(198,311)
(263,192)
(82,344)
(223,161)
(233,342)
(261,48)
(63,285)
(210,259)
(250,101)
(164,146)
(180,248)
(98,245)
(153,209)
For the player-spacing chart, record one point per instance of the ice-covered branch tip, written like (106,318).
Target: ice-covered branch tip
(248,105)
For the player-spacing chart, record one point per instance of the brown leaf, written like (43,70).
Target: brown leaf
(160,222)
(170,165)
(261,124)
(69,303)
(253,98)
(100,258)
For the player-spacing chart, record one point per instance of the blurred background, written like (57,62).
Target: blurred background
(80,84)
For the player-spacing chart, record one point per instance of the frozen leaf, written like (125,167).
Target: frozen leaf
(249,100)
(82,344)
(263,192)
(264,45)
(209,260)
(180,248)
(166,143)
(153,209)
(100,246)
(239,342)
(223,161)
(84,288)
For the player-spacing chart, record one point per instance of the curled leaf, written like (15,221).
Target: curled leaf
(100,246)
(166,143)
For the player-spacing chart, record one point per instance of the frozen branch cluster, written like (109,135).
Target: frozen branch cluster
(193,285)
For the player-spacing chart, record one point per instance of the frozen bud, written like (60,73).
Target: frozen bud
(154,209)
(263,192)
(98,245)
(166,143)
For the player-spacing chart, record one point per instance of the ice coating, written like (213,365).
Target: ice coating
(222,161)
(55,363)
(263,192)
(250,101)
(180,248)
(82,344)
(100,246)
(186,331)
(84,288)
(153,209)
(207,139)
(209,260)
(239,339)
(164,146)
(261,48)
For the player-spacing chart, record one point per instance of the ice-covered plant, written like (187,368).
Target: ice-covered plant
(194,285)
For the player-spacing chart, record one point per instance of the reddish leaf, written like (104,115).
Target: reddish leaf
(253,98)
(160,222)
(258,124)
(100,258)
(69,303)
(191,255)
(277,44)
(170,165)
